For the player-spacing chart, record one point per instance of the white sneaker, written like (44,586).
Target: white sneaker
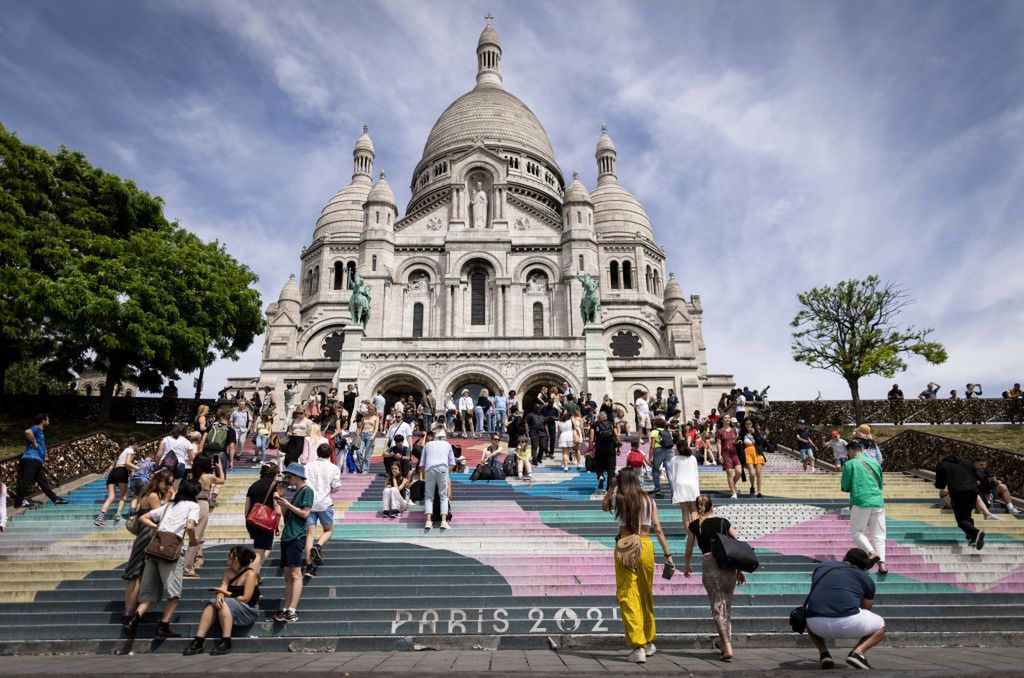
(733,496)
(992,517)
(1012,510)
(444,524)
(428,526)
(649,650)
(637,656)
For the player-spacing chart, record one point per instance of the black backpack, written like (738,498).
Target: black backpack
(604,432)
(510,467)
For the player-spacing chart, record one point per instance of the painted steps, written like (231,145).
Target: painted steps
(522,561)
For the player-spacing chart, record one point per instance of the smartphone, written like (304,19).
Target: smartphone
(668,571)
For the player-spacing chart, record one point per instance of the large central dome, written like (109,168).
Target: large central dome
(489,113)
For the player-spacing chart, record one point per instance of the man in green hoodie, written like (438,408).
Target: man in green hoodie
(862,478)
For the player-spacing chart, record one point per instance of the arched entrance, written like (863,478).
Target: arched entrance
(397,386)
(532,385)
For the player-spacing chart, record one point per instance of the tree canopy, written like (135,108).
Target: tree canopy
(851,329)
(94,274)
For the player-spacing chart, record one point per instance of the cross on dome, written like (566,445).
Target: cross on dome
(490,18)
(366,128)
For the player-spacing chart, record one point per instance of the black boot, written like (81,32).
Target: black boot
(163,632)
(195,647)
(131,626)
(222,646)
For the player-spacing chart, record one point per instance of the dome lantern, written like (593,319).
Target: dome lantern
(605,157)
(362,156)
(488,56)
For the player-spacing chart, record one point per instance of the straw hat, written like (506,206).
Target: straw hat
(864,431)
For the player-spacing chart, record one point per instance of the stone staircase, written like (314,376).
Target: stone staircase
(522,562)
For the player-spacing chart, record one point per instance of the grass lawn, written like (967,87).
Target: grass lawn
(1001,436)
(12,438)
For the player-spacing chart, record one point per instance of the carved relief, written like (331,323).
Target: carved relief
(437,369)
(418,285)
(537,283)
(366,369)
(522,223)
(510,370)
(435,223)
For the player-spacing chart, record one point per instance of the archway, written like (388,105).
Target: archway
(531,386)
(397,386)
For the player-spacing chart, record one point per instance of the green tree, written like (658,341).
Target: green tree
(851,329)
(96,275)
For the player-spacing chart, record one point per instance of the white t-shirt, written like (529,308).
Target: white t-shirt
(122,458)
(378,401)
(838,447)
(402,428)
(465,404)
(741,404)
(437,453)
(399,407)
(180,446)
(642,408)
(174,517)
(324,477)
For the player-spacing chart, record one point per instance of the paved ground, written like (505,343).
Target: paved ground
(1003,662)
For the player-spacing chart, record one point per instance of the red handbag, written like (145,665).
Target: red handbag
(262,516)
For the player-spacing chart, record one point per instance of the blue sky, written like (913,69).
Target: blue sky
(776,145)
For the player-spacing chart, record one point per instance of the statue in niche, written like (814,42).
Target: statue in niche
(590,304)
(418,285)
(479,207)
(537,283)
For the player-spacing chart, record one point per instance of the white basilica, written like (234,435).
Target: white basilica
(476,285)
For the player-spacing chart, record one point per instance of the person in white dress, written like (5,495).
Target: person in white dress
(685,480)
(566,439)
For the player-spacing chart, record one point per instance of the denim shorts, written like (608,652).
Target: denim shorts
(806,453)
(325,517)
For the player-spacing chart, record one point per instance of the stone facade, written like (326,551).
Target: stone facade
(477,282)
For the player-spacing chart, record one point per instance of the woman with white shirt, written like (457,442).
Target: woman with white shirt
(566,438)
(177,444)
(163,578)
(465,413)
(450,412)
(685,480)
(118,474)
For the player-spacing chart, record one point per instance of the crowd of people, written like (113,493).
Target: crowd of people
(166,494)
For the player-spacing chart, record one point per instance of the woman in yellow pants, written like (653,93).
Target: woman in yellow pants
(634,560)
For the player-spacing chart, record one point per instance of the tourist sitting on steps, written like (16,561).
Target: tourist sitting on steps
(235,603)
(839,607)
(394,501)
(990,486)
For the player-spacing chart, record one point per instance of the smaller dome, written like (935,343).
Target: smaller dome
(290,291)
(364,142)
(605,142)
(616,210)
(344,212)
(576,192)
(673,291)
(381,192)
